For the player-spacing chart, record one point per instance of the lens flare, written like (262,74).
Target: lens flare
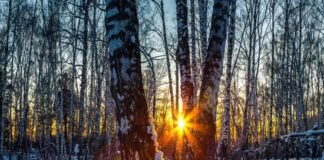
(181,123)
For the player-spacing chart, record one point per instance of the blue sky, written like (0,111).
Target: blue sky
(170,13)
(170,7)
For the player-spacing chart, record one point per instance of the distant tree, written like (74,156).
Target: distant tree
(3,76)
(273,5)
(83,85)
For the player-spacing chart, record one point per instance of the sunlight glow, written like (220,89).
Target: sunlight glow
(184,126)
(181,123)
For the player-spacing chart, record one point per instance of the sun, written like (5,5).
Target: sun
(181,123)
(183,127)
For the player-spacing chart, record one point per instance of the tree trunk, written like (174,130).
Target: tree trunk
(273,4)
(136,131)
(203,28)
(23,141)
(183,56)
(193,54)
(99,74)
(300,97)
(3,79)
(222,150)
(165,44)
(212,72)
(72,97)
(85,8)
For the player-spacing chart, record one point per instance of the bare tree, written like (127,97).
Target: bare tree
(223,146)
(136,131)
(212,72)
(85,9)
(203,27)
(3,77)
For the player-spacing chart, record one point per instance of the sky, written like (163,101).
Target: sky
(170,9)
(170,14)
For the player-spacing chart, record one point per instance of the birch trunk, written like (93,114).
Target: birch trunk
(273,5)
(203,28)
(71,97)
(136,131)
(23,141)
(194,69)
(300,97)
(99,74)
(222,150)
(212,72)
(183,55)
(85,9)
(3,79)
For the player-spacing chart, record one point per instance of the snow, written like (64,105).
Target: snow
(131,117)
(118,26)
(306,133)
(315,126)
(307,136)
(114,44)
(128,10)
(124,126)
(74,157)
(132,106)
(5,157)
(149,129)
(125,66)
(114,76)
(136,156)
(158,155)
(154,135)
(306,158)
(120,97)
(133,39)
(76,149)
(151,120)
(112,12)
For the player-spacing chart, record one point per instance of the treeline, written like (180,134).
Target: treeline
(54,81)
(59,89)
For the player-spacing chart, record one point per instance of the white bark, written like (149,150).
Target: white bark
(3,79)
(212,72)
(194,67)
(83,85)
(222,150)
(136,130)
(203,28)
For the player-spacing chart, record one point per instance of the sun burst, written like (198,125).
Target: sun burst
(184,128)
(181,124)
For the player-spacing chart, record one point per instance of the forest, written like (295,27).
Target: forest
(161,79)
